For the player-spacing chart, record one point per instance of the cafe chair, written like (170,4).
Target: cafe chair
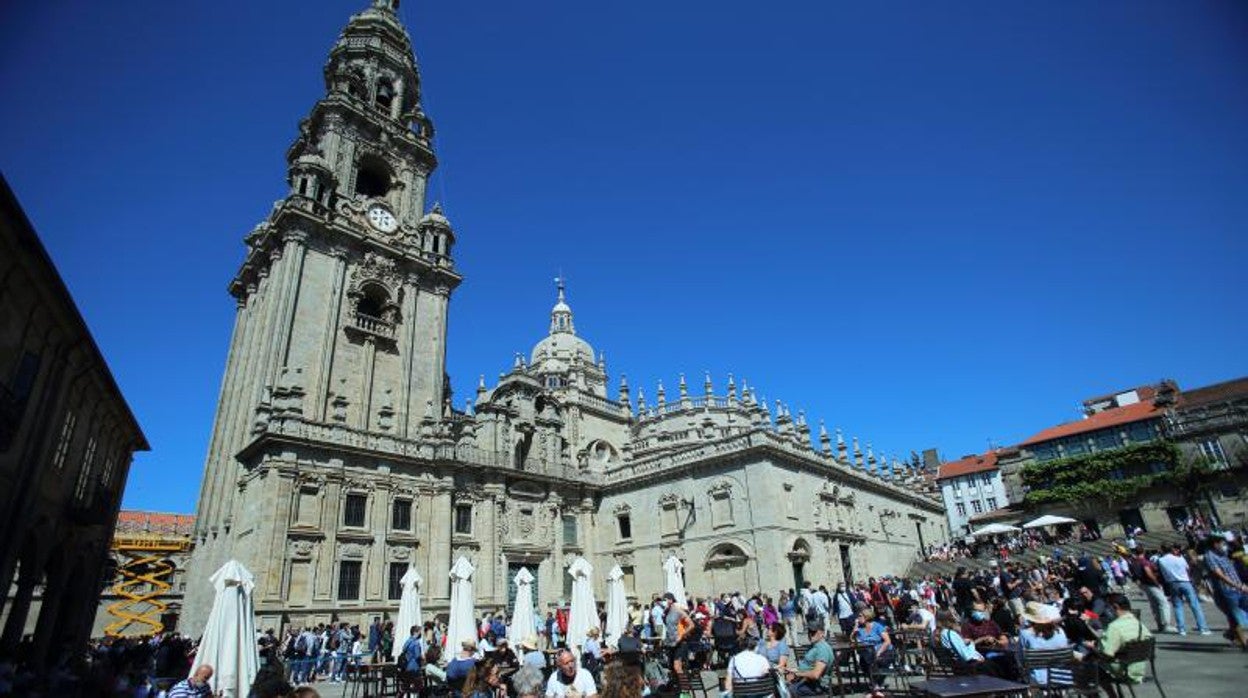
(690,682)
(762,687)
(1144,650)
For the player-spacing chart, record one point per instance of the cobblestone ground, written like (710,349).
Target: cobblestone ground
(1190,666)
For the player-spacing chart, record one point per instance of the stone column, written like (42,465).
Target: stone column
(333,327)
(274,520)
(408,414)
(326,565)
(216,473)
(490,546)
(439,582)
(375,589)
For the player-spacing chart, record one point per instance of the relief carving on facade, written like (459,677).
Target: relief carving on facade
(352,551)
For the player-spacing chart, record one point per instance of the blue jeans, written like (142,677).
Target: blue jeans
(1233,604)
(1179,591)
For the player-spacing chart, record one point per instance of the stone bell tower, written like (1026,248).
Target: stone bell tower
(340,332)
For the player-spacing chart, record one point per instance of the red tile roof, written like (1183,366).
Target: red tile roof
(135,522)
(968,465)
(1108,418)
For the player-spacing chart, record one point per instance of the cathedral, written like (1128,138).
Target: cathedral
(337,459)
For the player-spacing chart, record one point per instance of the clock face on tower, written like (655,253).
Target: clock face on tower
(380,218)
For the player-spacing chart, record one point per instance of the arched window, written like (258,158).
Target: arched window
(372,179)
(385,95)
(372,302)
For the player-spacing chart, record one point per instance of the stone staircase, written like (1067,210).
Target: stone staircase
(1095,548)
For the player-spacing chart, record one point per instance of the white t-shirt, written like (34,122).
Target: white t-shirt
(927,618)
(748,664)
(820,602)
(582,685)
(1174,568)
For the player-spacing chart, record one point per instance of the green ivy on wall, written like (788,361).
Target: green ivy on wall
(1112,476)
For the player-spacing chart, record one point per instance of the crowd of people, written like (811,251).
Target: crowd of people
(981,621)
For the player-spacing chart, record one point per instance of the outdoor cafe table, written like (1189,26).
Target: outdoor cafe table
(968,687)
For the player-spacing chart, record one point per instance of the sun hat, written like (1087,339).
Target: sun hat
(1041,614)
(528,643)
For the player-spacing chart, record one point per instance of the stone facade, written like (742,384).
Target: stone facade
(67,438)
(337,458)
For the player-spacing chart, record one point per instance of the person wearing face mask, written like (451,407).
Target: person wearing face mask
(843,606)
(1230,592)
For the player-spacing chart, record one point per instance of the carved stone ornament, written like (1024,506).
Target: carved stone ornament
(624,559)
(376,269)
(301,548)
(669,500)
(400,554)
(351,551)
(723,488)
(621,509)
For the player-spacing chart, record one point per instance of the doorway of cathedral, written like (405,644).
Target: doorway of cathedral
(847,565)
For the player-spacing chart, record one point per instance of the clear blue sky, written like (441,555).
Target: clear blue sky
(932,224)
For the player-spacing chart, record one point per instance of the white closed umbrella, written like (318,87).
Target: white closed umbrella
(583,614)
(617,606)
(1048,520)
(229,639)
(409,610)
(994,529)
(463,624)
(523,620)
(675,582)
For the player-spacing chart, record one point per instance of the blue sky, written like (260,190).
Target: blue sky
(932,224)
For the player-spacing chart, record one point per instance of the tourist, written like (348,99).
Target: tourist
(194,686)
(1124,628)
(1176,572)
(876,650)
(413,651)
(744,666)
(529,656)
(527,682)
(981,630)
(774,648)
(1229,589)
(843,606)
(623,680)
(484,681)
(1148,577)
(1044,632)
(806,680)
(433,655)
(964,653)
(788,609)
(457,669)
(1076,628)
(568,680)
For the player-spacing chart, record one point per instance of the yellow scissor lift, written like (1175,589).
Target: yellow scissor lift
(144,577)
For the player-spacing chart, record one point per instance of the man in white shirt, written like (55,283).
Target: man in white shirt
(745,665)
(844,607)
(569,680)
(820,601)
(1178,577)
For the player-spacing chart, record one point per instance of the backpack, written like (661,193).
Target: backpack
(301,645)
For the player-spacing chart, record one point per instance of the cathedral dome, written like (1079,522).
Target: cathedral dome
(558,351)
